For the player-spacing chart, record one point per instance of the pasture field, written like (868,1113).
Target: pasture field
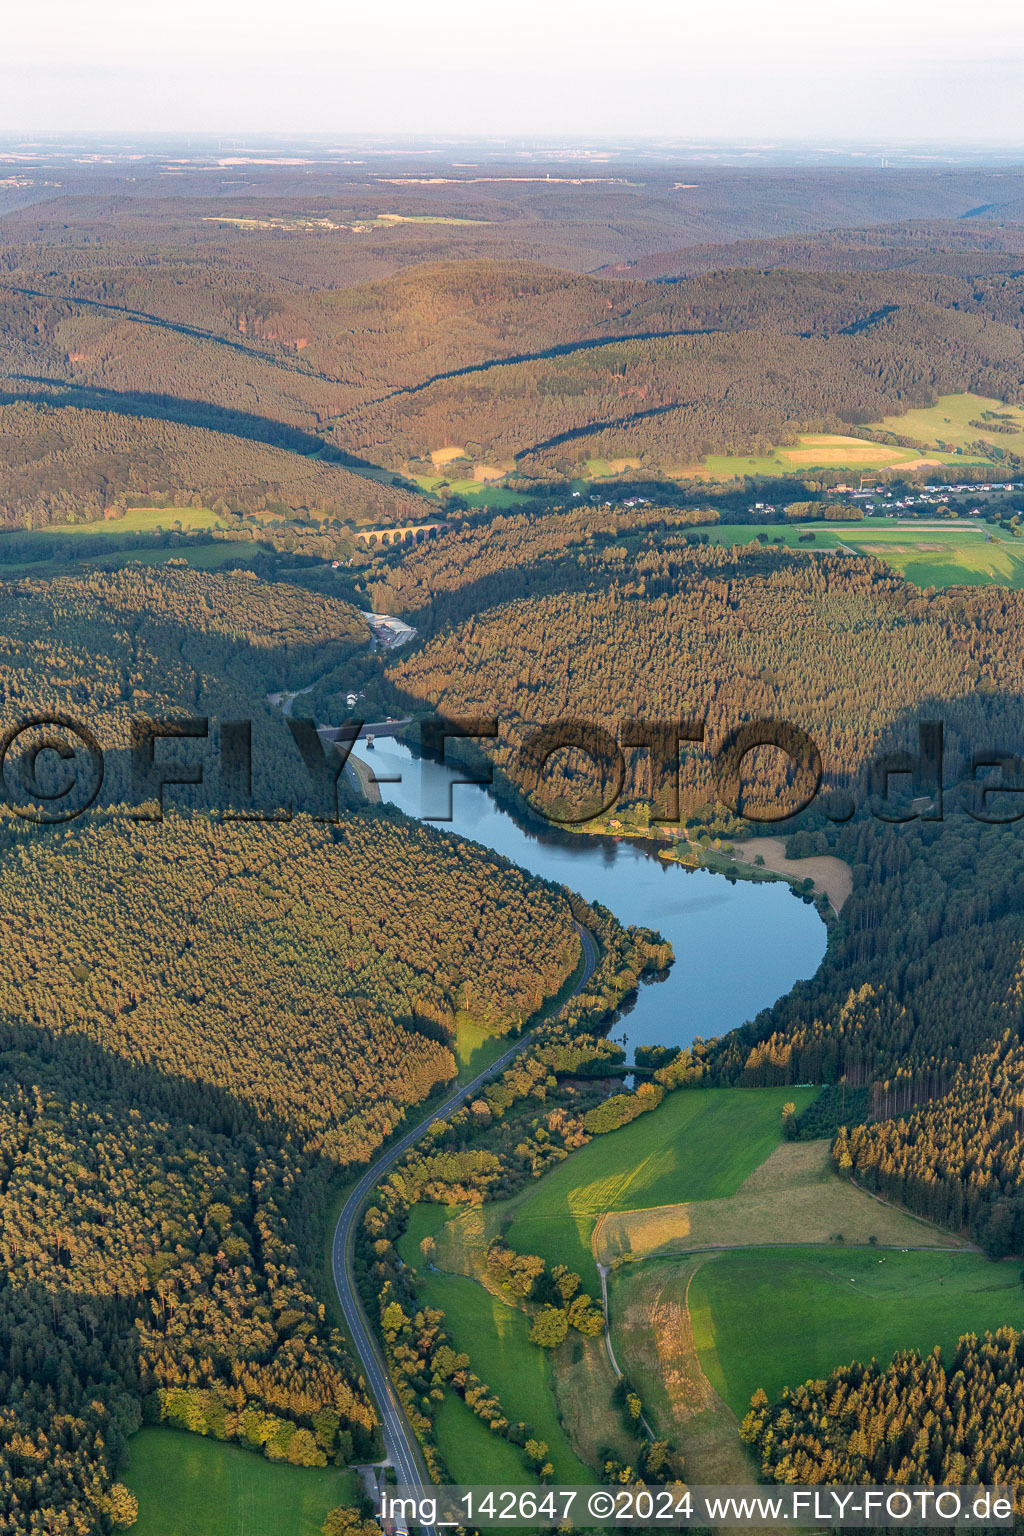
(479,493)
(825,534)
(700,1144)
(816,450)
(476,1047)
(185,1483)
(932,558)
(928,554)
(442,456)
(771,1318)
(495,1336)
(201,557)
(473,1454)
(603,469)
(139,520)
(793,1197)
(949,421)
(580,1374)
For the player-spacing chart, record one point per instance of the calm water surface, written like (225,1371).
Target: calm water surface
(737,947)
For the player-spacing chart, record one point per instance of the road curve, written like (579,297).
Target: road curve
(401,1443)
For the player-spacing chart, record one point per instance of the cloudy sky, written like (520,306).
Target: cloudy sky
(790,69)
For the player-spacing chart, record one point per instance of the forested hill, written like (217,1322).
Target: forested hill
(129,371)
(922,975)
(204,1022)
(656,624)
(987,245)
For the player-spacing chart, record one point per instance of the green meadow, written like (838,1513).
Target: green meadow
(479,493)
(937,558)
(950,420)
(825,535)
(771,1318)
(476,1047)
(190,1486)
(495,1336)
(139,520)
(957,553)
(700,1144)
(425,1220)
(472,1453)
(202,557)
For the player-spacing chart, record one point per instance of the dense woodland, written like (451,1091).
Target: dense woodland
(80,457)
(316,975)
(205,1022)
(478,567)
(179,356)
(662,628)
(154,1268)
(853,656)
(107,647)
(921,1421)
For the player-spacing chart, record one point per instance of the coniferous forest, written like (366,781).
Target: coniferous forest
(233,980)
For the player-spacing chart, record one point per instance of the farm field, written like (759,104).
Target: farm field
(949,421)
(929,555)
(602,469)
(698,1145)
(932,558)
(185,1483)
(140,520)
(495,1336)
(817,450)
(479,492)
(793,1197)
(771,1318)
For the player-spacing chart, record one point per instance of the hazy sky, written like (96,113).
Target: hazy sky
(807,69)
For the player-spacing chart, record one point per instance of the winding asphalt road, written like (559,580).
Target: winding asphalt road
(401,1444)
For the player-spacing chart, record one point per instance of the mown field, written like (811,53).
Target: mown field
(188,1486)
(495,1336)
(770,1318)
(700,1144)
